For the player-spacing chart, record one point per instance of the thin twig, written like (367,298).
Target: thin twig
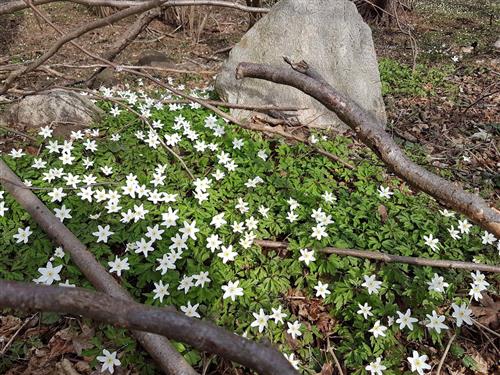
(387,258)
(445,353)
(486,328)
(17,132)
(11,340)
(335,359)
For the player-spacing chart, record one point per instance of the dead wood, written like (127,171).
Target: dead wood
(117,311)
(167,357)
(388,258)
(372,134)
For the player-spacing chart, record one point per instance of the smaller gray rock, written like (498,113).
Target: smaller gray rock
(65,111)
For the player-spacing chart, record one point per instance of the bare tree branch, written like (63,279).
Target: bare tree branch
(139,25)
(200,334)
(16,5)
(167,357)
(144,7)
(371,133)
(387,258)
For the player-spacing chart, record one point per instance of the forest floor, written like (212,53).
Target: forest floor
(452,127)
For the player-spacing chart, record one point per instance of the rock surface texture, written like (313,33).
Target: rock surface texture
(64,111)
(328,34)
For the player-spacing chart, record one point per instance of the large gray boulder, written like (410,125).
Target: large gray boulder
(65,111)
(328,34)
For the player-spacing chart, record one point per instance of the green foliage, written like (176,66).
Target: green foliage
(399,79)
(266,276)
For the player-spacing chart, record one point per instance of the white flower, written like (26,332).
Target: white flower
(476,290)
(262,154)
(365,310)
(213,242)
(417,363)
(3,209)
(277,315)
(384,192)
(49,274)
(154,233)
(437,284)
(488,238)
(218,220)
(294,329)
(464,226)
(378,329)
(328,197)
(462,314)
(371,284)
(322,290)
(186,283)
(169,218)
(376,368)
(480,279)
(447,213)
(319,232)
(201,279)
(436,322)
(405,320)
(160,291)
(144,247)
(260,320)
(307,256)
(189,230)
(232,290)
(119,265)
(292,216)
(103,233)
(431,242)
(227,254)
(191,310)
(238,227)
(23,235)
(294,362)
(109,361)
(455,234)
(45,132)
(62,213)
(242,206)
(263,211)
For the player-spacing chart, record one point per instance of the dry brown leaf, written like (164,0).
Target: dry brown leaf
(488,314)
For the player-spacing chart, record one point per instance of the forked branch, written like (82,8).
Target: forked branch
(200,334)
(372,134)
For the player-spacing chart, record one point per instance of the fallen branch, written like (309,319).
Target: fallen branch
(143,7)
(16,5)
(200,334)
(128,37)
(387,258)
(167,357)
(372,134)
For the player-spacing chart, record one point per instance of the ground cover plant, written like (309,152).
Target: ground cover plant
(192,243)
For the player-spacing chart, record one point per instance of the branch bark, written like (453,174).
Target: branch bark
(139,25)
(200,334)
(372,134)
(144,7)
(388,258)
(167,357)
(17,5)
